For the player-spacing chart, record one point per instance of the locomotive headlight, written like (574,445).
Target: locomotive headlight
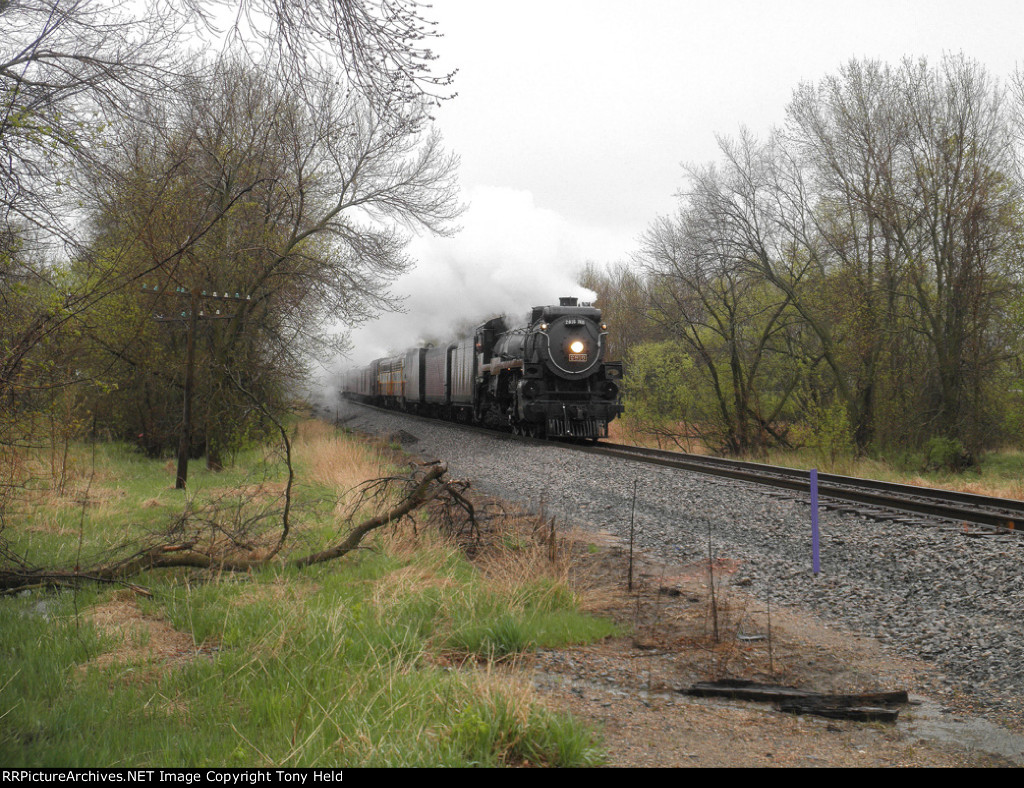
(576,346)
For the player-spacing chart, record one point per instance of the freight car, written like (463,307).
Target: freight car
(545,379)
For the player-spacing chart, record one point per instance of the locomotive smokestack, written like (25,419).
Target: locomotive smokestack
(566,301)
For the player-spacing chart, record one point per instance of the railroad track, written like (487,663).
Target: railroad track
(975,515)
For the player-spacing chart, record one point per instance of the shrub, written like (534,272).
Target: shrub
(947,454)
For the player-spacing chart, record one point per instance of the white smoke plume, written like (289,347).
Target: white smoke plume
(509,257)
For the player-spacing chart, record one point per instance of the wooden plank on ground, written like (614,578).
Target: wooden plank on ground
(864,706)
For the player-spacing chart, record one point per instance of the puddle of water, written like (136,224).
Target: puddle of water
(927,721)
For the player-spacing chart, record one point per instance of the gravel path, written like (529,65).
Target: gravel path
(955,601)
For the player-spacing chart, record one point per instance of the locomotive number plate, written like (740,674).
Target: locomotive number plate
(577,356)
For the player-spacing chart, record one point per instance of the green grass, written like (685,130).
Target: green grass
(118,495)
(294,670)
(403,655)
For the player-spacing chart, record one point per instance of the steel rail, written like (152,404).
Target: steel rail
(1002,513)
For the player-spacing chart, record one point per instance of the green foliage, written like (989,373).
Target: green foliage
(658,387)
(946,454)
(495,638)
(804,269)
(827,430)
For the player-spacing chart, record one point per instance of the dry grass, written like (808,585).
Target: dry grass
(139,638)
(31,483)
(47,525)
(520,551)
(279,590)
(1000,488)
(337,460)
(865,468)
(503,684)
(260,493)
(621,431)
(404,582)
(625,432)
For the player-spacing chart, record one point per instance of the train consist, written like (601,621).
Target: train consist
(546,379)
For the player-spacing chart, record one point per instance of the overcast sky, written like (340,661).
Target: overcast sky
(573,118)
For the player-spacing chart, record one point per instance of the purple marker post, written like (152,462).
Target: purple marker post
(815,555)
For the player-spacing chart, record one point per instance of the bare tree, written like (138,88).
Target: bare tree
(623,301)
(66,66)
(708,289)
(915,200)
(69,66)
(384,46)
(294,205)
(70,69)
(74,74)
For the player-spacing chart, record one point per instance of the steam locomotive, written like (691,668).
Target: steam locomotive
(545,379)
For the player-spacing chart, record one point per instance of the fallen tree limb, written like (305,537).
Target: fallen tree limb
(419,496)
(187,554)
(161,557)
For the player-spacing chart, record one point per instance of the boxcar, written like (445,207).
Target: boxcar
(435,376)
(413,372)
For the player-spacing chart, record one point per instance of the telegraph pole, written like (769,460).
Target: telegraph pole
(194,314)
(185,439)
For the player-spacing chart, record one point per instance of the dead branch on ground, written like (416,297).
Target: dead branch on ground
(427,483)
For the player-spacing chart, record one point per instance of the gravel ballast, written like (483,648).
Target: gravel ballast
(924,591)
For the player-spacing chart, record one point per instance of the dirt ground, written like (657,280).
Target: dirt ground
(629,687)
